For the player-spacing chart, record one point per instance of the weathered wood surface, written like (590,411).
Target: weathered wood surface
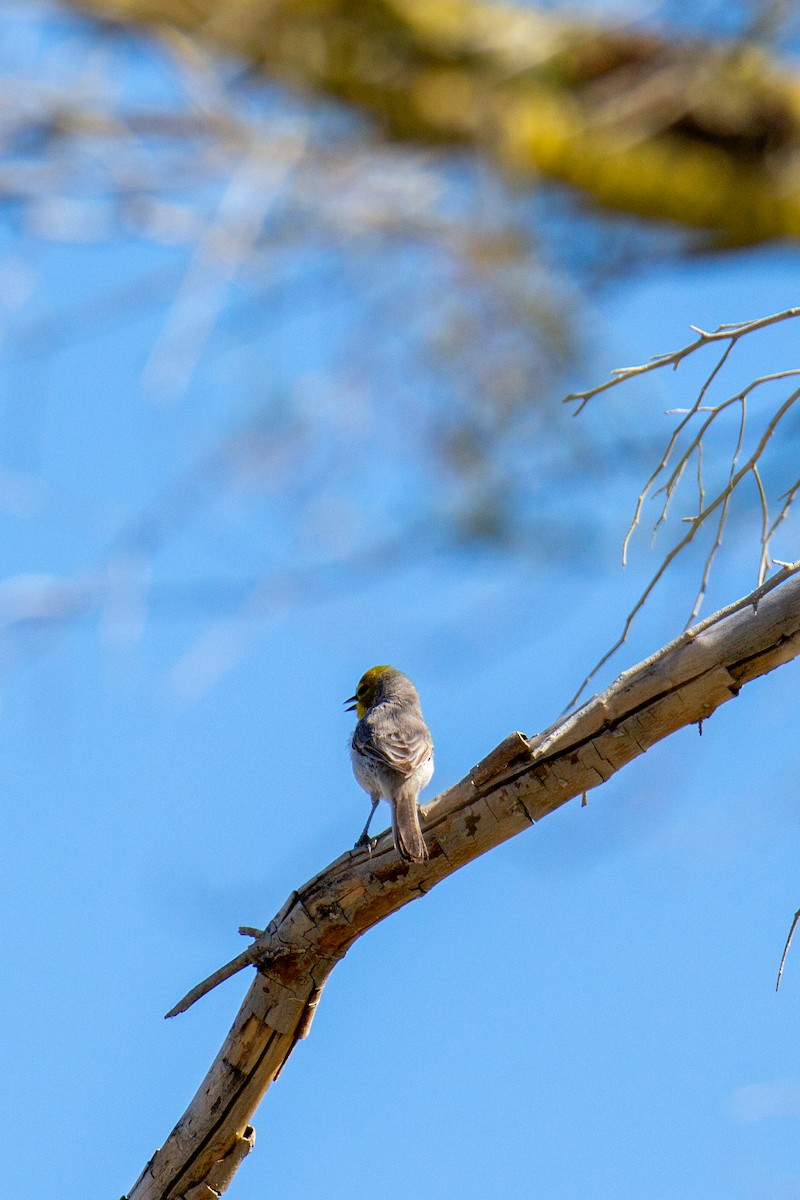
(518,783)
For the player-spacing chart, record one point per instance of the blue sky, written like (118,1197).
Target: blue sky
(588,1010)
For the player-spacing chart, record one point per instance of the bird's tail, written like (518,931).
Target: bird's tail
(408,839)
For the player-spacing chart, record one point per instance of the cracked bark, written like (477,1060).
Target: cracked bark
(515,785)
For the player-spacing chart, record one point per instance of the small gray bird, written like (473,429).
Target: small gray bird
(392,754)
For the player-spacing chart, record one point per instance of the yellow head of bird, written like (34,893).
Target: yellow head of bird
(364,697)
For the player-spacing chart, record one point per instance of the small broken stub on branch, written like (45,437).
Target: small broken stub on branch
(510,753)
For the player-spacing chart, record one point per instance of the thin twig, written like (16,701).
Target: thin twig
(695,445)
(695,524)
(723,333)
(763,565)
(786,948)
(701,491)
(670,447)
(248,958)
(712,554)
(669,489)
(697,440)
(788,497)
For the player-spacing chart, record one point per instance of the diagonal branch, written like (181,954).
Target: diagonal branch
(517,784)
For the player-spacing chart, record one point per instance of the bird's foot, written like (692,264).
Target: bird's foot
(365,842)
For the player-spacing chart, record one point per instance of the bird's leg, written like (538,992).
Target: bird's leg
(365,839)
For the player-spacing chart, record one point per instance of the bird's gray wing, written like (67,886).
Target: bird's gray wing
(403,745)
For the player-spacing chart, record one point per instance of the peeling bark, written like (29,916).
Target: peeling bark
(515,785)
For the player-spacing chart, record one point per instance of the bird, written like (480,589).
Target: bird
(392,754)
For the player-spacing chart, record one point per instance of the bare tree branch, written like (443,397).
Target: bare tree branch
(517,784)
(725,333)
(721,501)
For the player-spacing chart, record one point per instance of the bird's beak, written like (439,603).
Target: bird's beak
(351,704)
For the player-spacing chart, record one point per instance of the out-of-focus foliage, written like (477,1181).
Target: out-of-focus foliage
(384,327)
(265,202)
(648,118)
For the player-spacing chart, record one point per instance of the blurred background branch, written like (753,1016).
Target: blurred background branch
(703,130)
(361,276)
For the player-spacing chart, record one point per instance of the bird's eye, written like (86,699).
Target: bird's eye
(362,691)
